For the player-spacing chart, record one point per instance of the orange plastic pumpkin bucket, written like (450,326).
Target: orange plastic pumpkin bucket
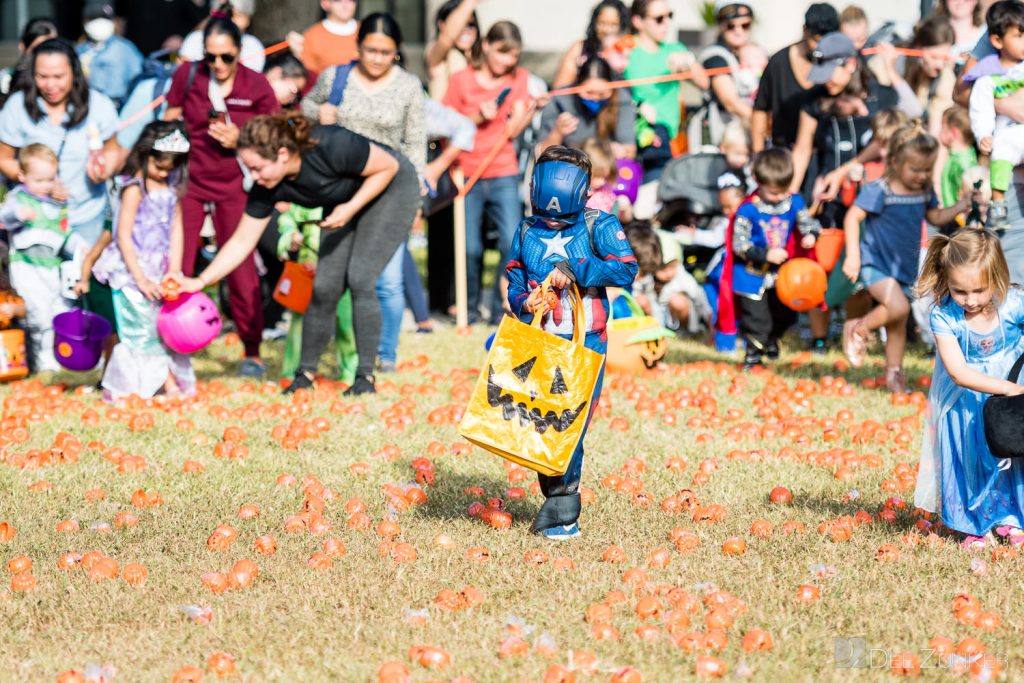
(828,248)
(801,284)
(294,290)
(13,363)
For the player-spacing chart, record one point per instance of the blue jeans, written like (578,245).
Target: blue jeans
(569,483)
(414,295)
(391,293)
(499,197)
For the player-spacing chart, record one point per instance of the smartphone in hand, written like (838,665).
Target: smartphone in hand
(216,116)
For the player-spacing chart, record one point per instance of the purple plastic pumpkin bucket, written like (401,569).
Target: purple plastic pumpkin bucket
(189,323)
(631,174)
(78,339)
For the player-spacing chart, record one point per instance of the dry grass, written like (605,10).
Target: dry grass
(296,624)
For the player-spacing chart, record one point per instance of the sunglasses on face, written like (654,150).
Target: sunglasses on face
(662,18)
(226,57)
(738,26)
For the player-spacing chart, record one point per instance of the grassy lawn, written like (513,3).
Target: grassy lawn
(341,622)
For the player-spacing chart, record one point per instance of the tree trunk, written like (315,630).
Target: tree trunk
(275,18)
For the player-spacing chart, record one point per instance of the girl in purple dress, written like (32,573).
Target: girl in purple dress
(147,245)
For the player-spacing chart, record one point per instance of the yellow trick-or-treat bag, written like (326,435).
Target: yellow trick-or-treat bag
(532,399)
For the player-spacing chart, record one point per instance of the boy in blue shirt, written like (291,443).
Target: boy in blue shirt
(573,245)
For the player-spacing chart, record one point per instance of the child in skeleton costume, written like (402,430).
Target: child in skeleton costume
(38,228)
(574,245)
(147,245)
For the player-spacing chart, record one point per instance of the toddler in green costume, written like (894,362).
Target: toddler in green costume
(300,231)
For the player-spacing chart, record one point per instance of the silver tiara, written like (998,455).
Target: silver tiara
(174,143)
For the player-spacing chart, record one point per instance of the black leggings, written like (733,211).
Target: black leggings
(353,258)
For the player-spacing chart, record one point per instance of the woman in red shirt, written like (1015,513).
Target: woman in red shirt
(215,98)
(493,94)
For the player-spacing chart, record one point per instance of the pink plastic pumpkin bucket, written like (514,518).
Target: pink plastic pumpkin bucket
(189,323)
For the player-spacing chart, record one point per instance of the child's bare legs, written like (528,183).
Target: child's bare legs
(108,347)
(171,387)
(892,312)
(819,321)
(643,302)
(679,308)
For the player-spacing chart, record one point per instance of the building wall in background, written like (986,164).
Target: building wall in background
(548,25)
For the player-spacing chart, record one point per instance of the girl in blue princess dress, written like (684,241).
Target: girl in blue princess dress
(977,321)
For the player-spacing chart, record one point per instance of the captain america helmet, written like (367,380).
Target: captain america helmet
(558,191)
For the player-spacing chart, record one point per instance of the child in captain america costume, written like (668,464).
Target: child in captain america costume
(582,246)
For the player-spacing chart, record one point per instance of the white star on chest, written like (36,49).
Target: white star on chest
(555,246)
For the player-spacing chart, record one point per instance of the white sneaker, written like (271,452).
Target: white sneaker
(562,533)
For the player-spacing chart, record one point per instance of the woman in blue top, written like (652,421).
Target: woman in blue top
(977,327)
(58,109)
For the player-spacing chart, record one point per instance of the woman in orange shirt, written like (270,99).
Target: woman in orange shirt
(494,95)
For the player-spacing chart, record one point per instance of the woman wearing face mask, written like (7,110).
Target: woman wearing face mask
(384,103)
(109,61)
(493,94)
(240,13)
(215,97)
(597,112)
(58,109)
(15,77)
(658,103)
(609,24)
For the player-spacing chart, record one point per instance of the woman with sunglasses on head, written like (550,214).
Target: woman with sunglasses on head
(215,97)
(383,102)
(731,96)
(658,103)
(238,12)
(609,25)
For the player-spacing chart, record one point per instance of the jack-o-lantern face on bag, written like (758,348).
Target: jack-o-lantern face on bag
(536,384)
(652,351)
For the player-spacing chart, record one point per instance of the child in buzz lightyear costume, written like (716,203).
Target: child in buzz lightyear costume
(37,227)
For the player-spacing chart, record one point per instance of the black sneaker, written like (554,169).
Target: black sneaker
(819,346)
(301,381)
(772,351)
(362,385)
(752,360)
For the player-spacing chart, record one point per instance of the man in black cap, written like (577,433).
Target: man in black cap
(786,86)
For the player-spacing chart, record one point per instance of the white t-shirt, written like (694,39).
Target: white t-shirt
(252,50)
